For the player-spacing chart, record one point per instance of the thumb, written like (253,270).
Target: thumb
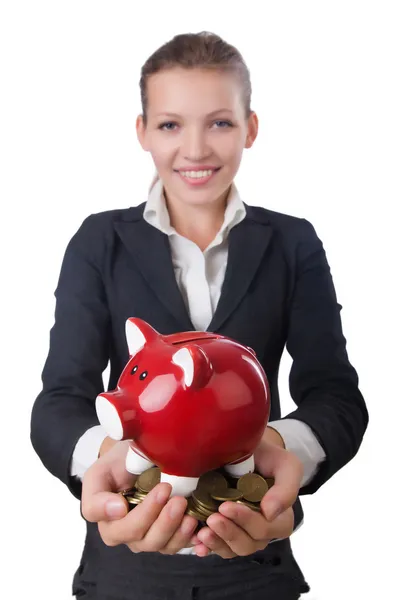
(287,470)
(104,506)
(98,502)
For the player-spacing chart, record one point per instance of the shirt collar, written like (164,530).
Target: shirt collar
(156,212)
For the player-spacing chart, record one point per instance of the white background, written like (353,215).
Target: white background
(324,88)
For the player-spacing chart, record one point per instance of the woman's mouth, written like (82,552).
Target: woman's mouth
(198,177)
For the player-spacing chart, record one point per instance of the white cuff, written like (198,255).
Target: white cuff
(86,450)
(299,438)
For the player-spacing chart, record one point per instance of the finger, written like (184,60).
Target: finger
(135,525)
(287,470)
(235,538)
(104,506)
(194,539)
(258,528)
(202,550)
(282,526)
(212,542)
(166,525)
(98,502)
(106,476)
(182,537)
(253,523)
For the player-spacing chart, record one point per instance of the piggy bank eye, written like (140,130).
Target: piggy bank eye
(143,375)
(134,370)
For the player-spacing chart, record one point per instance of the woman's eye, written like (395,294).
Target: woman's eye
(163,126)
(226,122)
(169,126)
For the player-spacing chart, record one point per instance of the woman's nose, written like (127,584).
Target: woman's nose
(195,145)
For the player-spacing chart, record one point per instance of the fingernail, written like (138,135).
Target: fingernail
(272,510)
(231,512)
(115,509)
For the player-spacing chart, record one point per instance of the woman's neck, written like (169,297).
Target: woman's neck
(200,224)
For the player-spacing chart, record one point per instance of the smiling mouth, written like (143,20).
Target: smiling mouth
(198,178)
(197,170)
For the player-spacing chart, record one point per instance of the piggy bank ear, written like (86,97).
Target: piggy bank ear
(195,364)
(138,334)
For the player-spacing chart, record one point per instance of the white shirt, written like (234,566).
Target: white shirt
(200,277)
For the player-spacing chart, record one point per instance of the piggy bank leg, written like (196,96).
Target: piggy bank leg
(181,486)
(241,468)
(136,464)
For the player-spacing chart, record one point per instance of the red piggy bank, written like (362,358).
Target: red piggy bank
(189,403)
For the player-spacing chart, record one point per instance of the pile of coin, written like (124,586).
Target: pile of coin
(212,489)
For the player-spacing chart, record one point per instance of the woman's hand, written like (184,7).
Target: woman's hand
(236,530)
(158,524)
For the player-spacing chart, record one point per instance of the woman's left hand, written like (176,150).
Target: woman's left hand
(236,530)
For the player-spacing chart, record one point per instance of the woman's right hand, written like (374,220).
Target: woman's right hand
(158,524)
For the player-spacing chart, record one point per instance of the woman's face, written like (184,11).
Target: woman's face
(196,120)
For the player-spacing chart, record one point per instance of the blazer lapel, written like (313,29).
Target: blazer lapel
(151,252)
(248,242)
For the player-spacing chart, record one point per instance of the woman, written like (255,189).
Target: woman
(194,256)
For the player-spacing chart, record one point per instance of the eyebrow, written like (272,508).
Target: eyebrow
(214,112)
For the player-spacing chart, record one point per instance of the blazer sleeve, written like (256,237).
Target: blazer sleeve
(78,354)
(323,383)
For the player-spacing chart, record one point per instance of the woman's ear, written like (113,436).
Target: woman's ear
(252,129)
(141,132)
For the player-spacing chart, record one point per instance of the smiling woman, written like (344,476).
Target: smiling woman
(196,121)
(198,139)
(195,257)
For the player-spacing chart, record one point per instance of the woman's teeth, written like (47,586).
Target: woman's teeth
(196,174)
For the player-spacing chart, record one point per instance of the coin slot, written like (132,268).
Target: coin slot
(194,339)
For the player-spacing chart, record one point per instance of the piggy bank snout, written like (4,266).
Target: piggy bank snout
(109,417)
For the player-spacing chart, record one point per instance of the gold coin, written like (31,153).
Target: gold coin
(148,479)
(251,505)
(140,496)
(193,511)
(198,514)
(204,512)
(203,508)
(252,486)
(203,498)
(195,515)
(127,492)
(212,481)
(132,500)
(228,494)
(269,481)
(218,491)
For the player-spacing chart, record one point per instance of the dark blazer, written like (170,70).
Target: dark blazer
(278,291)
